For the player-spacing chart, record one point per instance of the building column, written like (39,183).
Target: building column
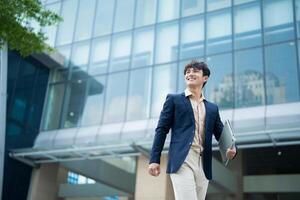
(3,96)
(236,166)
(45,182)
(149,187)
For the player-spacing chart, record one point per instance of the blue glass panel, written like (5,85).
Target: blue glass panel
(219,88)
(281,73)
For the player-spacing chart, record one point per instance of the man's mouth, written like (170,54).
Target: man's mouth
(191,79)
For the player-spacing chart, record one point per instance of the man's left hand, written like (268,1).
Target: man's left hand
(231,153)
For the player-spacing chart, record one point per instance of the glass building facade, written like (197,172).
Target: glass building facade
(124,56)
(26,89)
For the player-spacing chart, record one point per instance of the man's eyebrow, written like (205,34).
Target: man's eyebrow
(194,69)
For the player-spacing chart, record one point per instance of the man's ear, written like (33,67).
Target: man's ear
(205,78)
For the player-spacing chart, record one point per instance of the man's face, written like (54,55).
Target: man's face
(194,77)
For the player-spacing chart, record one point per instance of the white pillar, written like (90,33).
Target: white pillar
(149,187)
(45,182)
(3,95)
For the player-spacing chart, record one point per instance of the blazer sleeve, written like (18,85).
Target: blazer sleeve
(164,124)
(218,128)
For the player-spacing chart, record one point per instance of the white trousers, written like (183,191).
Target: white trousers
(189,182)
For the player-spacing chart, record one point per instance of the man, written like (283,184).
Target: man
(193,120)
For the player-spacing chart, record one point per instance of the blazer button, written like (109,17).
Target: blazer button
(190,143)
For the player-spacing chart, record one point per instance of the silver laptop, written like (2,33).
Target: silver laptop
(227,140)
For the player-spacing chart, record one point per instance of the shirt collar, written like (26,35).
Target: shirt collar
(187,93)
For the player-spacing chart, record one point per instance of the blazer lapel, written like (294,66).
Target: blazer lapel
(207,116)
(207,112)
(188,104)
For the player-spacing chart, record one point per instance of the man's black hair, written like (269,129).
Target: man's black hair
(199,65)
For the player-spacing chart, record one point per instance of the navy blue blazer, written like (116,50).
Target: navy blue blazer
(177,114)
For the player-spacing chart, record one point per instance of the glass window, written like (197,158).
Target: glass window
(27,71)
(249,78)
(50,1)
(217,4)
(247,34)
(74,102)
(168,10)
(237,2)
(104,17)
(72,178)
(51,30)
(85,20)
(164,82)
(192,7)
(53,107)
(124,15)
(13,128)
(78,75)
(192,38)
(281,73)
(93,107)
(219,88)
(19,105)
(181,78)
(219,32)
(35,110)
(121,52)
(298,17)
(100,56)
(279,26)
(298,53)
(115,100)
(166,43)
(80,55)
(66,27)
(143,47)
(20,102)
(139,94)
(14,65)
(66,52)
(145,12)
(59,74)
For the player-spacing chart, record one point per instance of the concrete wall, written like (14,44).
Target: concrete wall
(149,187)
(236,167)
(45,182)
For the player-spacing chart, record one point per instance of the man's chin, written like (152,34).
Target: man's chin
(192,85)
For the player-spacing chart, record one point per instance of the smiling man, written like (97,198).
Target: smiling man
(193,120)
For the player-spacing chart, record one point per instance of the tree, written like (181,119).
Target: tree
(17,18)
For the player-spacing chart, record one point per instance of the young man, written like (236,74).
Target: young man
(193,120)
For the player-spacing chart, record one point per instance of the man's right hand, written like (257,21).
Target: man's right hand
(154,169)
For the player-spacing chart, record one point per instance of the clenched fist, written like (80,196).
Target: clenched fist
(154,169)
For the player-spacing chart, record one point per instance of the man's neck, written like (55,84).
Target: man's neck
(197,91)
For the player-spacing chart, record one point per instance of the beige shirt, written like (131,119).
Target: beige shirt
(199,115)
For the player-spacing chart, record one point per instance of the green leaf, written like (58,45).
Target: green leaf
(16,30)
